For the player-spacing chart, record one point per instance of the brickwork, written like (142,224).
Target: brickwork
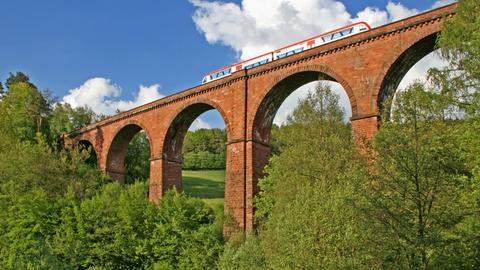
(369,66)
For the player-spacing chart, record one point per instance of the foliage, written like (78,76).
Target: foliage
(120,229)
(65,119)
(204,149)
(420,188)
(137,159)
(23,111)
(321,104)
(460,42)
(242,253)
(18,77)
(29,222)
(2,90)
(32,179)
(307,203)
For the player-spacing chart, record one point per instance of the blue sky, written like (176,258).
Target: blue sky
(62,44)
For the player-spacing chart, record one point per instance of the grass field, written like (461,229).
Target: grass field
(206,185)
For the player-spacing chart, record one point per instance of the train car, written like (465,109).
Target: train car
(247,64)
(322,39)
(291,49)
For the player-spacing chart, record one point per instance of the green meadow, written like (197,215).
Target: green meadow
(208,185)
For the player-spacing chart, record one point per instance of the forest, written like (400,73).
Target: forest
(409,198)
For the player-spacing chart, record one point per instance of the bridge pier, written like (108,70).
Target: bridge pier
(164,175)
(117,176)
(364,128)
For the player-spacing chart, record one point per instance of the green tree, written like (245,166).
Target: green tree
(2,91)
(23,111)
(137,160)
(18,77)
(32,179)
(307,204)
(321,104)
(460,43)
(31,222)
(65,119)
(204,149)
(120,229)
(420,189)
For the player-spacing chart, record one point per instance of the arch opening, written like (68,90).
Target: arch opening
(270,105)
(128,157)
(281,93)
(407,62)
(194,153)
(91,160)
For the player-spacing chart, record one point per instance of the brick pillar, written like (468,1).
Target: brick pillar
(172,175)
(115,166)
(364,128)
(258,155)
(117,176)
(164,175)
(234,202)
(155,189)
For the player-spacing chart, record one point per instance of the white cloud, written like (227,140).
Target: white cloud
(198,124)
(397,11)
(291,101)
(255,27)
(441,3)
(99,94)
(419,70)
(259,26)
(376,17)
(373,15)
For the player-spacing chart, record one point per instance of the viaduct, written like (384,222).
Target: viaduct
(369,66)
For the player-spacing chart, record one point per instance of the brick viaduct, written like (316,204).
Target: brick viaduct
(369,66)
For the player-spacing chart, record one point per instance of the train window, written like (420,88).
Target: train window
(298,50)
(256,64)
(346,31)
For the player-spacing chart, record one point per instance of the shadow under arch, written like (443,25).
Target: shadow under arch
(282,88)
(401,66)
(175,135)
(88,146)
(117,150)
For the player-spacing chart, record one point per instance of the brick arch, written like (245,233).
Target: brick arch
(214,106)
(282,86)
(117,148)
(401,63)
(173,141)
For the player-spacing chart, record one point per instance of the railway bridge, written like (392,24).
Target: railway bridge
(369,66)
